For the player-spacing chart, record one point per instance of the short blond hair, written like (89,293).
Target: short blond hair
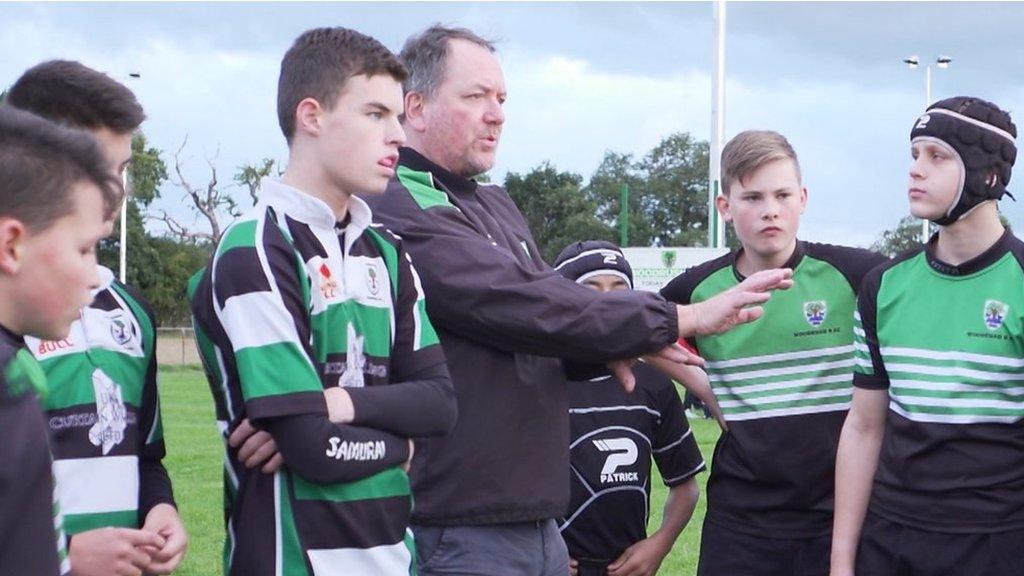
(750,150)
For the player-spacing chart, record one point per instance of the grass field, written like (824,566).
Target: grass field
(195,455)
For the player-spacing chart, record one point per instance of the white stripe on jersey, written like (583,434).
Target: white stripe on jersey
(384,559)
(95,485)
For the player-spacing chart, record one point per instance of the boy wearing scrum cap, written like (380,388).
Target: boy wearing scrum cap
(613,436)
(930,469)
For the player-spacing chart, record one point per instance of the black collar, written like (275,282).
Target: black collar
(979,262)
(791,263)
(414,160)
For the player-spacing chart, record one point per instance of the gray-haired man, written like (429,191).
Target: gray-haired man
(486,495)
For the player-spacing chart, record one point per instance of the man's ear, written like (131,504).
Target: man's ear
(413,118)
(307,117)
(12,239)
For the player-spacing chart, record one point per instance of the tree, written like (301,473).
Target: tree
(668,190)
(555,209)
(209,201)
(249,176)
(158,267)
(905,236)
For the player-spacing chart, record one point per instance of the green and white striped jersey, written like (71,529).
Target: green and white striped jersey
(103,411)
(948,344)
(784,385)
(293,303)
(32,539)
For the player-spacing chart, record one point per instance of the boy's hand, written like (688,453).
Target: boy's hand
(339,405)
(112,551)
(164,521)
(737,305)
(641,559)
(255,447)
(574,567)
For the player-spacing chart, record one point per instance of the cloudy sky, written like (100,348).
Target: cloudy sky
(583,78)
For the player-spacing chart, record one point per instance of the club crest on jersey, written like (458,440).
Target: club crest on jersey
(815,312)
(995,313)
(328,285)
(111,416)
(120,331)
(355,361)
(372,283)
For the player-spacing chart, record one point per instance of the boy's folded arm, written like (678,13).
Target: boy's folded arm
(323,452)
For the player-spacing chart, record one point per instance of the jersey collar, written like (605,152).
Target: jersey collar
(106,279)
(791,263)
(303,207)
(976,264)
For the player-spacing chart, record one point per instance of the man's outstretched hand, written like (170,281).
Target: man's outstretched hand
(737,305)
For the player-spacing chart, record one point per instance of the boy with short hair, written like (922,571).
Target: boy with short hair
(930,471)
(311,324)
(614,434)
(103,407)
(55,196)
(784,384)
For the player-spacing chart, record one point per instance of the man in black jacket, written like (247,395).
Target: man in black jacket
(487,494)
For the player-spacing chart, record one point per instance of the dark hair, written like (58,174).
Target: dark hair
(73,94)
(425,55)
(750,150)
(40,163)
(320,62)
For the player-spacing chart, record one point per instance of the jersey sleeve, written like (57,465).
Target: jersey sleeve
(674,448)
(868,369)
(853,263)
(259,300)
(154,482)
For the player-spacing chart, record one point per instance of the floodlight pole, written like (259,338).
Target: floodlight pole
(123,268)
(716,232)
(941,62)
(123,259)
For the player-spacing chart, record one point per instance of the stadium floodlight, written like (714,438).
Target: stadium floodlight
(940,62)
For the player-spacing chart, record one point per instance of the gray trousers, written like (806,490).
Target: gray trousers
(519,549)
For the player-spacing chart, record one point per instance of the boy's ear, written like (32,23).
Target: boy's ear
(12,239)
(803,199)
(414,103)
(722,203)
(307,116)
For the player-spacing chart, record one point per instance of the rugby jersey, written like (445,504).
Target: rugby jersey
(614,435)
(32,540)
(947,342)
(293,303)
(784,386)
(103,412)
